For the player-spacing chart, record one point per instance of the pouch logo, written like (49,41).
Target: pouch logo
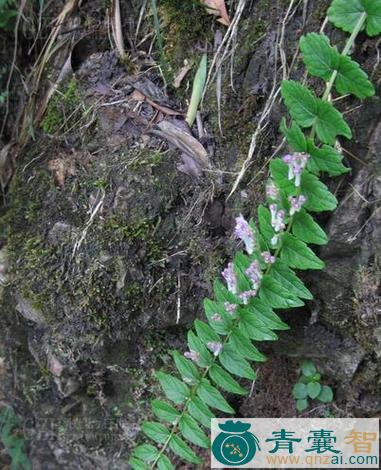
(235,445)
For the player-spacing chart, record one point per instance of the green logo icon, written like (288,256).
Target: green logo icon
(235,445)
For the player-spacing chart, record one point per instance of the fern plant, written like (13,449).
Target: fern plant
(262,278)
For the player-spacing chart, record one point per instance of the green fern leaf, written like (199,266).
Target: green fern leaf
(187,369)
(174,389)
(306,229)
(192,432)
(240,342)
(296,254)
(146,452)
(200,411)
(155,431)
(322,60)
(164,463)
(235,363)
(277,296)
(345,14)
(212,397)
(164,411)
(289,280)
(308,111)
(180,448)
(225,381)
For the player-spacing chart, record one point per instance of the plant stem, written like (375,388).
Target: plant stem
(325,97)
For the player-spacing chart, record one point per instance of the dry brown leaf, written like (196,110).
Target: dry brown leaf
(178,134)
(182,73)
(138,96)
(217,8)
(61,168)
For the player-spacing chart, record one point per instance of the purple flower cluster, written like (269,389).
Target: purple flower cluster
(296,163)
(244,232)
(277,218)
(230,308)
(215,347)
(255,274)
(229,275)
(277,221)
(272,192)
(296,203)
(246,295)
(268,257)
(192,355)
(216,317)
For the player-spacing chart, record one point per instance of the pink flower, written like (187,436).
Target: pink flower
(296,203)
(296,164)
(255,274)
(216,348)
(229,275)
(246,296)
(277,218)
(230,308)
(216,317)
(244,232)
(268,257)
(272,192)
(192,355)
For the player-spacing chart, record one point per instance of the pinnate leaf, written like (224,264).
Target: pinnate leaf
(264,219)
(275,295)
(211,308)
(164,411)
(206,333)
(174,389)
(296,254)
(306,229)
(212,397)
(240,342)
(200,411)
(235,363)
(250,326)
(146,452)
(266,315)
(308,110)
(155,431)
(345,14)
(137,464)
(289,280)
(192,432)
(180,448)
(225,381)
(164,463)
(319,198)
(195,344)
(322,60)
(187,369)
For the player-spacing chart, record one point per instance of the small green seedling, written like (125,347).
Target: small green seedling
(309,387)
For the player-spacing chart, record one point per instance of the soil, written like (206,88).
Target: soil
(112,236)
